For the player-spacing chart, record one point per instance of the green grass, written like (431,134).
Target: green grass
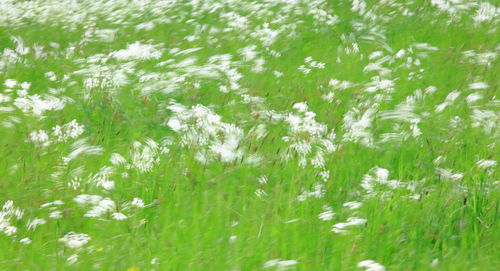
(208,216)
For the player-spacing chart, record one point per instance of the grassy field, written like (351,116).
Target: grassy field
(249,135)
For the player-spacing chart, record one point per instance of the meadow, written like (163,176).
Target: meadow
(249,135)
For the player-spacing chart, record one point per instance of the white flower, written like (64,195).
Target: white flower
(249,52)
(357,126)
(324,175)
(7,213)
(39,137)
(351,221)
(75,240)
(25,85)
(478,85)
(137,202)
(33,224)
(137,51)
(116,159)
(486,163)
(377,182)
(49,204)
(200,127)
(371,265)
(145,26)
(105,35)
(38,104)
(260,193)
(104,206)
(10,83)
(155,261)
(119,216)
(487,119)
(328,97)
(84,199)
(318,192)
(55,215)
(486,12)
(474,97)
(280,264)
(447,174)
(303,69)
(8,230)
(325,216)
(301,107)
(25,241)
(265,35)
(353,205)
(69,130)
(51,76)
(439,160)
(262,179)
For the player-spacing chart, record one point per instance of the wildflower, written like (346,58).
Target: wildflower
(327,214)
(474,97)
(260,193)
(10,83)
(351,221)
(486,119)
(357,126)
(324,175)
(137,202)
(40,137)
(118,216)
(145,156)
(249,52)
(51,76)
(37,104)
(8,230)
(434,262)
(352,205)
(104,206)
(478,85)
(116,159)
(137,51)
(317,192)
(486,12)
(280,264)
(25,241)
(7,214)
(371,265)
(33,224)
(54,203)
(328,97)
(439,160)
(69,130)
(447,174)
(75,240)
(486,163)
(56,215)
